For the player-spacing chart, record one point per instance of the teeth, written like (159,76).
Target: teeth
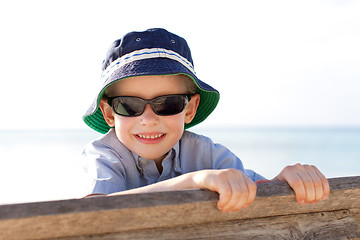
(152,136)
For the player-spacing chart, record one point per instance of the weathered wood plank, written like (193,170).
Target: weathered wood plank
(324,225)
(171,210)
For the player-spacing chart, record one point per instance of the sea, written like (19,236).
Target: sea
(47,165)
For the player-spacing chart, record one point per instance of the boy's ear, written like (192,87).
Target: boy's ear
(191,108)
(107,112)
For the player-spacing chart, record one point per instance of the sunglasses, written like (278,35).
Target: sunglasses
(163,105)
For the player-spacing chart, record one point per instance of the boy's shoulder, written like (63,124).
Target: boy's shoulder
(107,142)
(195,138)
(107,139)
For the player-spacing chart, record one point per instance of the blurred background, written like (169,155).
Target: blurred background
(287,71)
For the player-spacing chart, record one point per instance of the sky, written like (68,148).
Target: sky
(275,63)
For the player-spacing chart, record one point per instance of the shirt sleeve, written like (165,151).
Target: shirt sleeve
(104,172)
(223,158)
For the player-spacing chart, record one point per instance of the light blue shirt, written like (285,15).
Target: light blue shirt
(111,167)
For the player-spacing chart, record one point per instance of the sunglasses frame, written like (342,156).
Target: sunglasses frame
(187,98)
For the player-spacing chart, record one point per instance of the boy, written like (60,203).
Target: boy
(149,96)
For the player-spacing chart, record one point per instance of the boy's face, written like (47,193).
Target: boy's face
(149,135)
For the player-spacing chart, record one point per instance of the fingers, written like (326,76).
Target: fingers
(324,184)
(308,183)
(238,191)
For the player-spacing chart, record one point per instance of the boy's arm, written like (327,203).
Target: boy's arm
(308,183)
(236,190)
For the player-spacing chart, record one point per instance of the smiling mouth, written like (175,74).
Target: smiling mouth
(150,136)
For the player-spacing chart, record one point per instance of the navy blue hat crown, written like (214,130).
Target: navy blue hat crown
(159,38)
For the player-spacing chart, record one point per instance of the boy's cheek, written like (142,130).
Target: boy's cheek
(122,124)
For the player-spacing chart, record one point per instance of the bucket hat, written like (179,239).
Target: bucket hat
(152,52)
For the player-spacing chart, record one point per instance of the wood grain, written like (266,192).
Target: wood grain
(189,214)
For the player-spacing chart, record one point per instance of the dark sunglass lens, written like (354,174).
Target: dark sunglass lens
(128,106)
(169,105)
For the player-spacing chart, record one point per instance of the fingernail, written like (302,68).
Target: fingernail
(302,201)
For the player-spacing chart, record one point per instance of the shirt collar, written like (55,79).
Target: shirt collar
(177,165)
(173,153)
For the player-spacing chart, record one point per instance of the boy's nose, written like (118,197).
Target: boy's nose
(149,117)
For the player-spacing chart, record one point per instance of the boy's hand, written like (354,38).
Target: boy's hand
(236,190)
(308,183)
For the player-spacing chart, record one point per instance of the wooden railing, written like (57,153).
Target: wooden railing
(189,214)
